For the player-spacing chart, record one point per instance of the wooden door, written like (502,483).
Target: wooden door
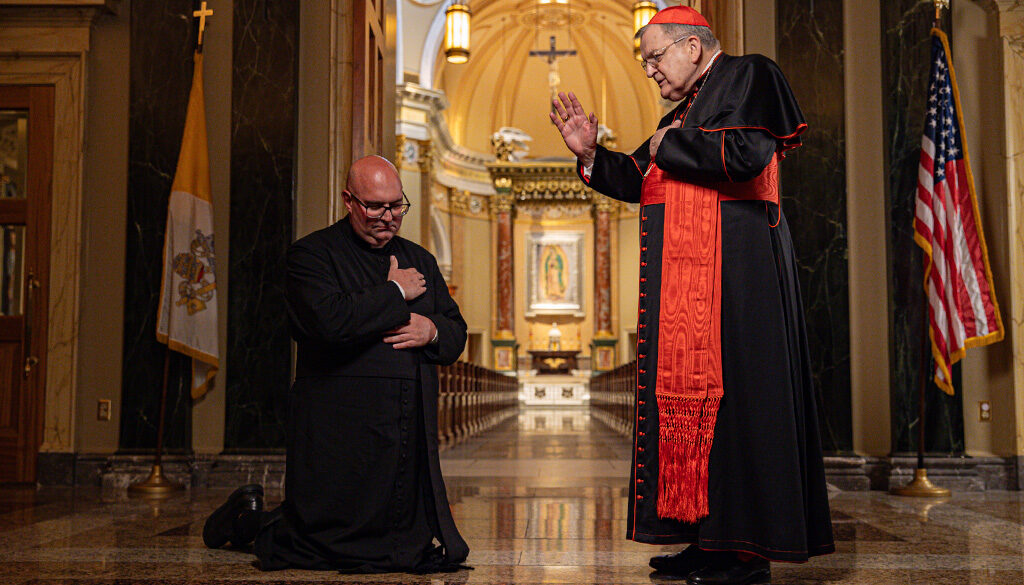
(368,83)
(26,164)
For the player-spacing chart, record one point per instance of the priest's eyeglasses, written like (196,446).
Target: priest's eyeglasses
(377,210)
(656,56)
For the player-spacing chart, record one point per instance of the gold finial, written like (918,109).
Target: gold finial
(202,13)
(939,6)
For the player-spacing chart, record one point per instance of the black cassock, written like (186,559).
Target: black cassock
(766,485)
(363,486)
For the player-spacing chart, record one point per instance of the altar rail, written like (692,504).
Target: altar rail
(471,399)
(613,397)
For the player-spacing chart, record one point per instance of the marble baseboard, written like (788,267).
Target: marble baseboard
(962,474)
(1020,473)
(847,473)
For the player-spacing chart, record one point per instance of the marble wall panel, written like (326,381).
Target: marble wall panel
(809,37)
(263,147)
(162,39)
(906,53)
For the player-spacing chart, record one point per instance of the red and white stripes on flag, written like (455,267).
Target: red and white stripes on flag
(187,320)
(963,311)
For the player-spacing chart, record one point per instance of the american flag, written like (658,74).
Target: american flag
(963,311)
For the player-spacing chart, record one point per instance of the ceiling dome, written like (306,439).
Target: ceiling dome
(502,85)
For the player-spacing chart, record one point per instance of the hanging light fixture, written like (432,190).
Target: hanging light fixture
(643,12)
(456,32)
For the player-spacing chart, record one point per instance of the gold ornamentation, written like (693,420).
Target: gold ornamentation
(605,204)
(400,150)
(502,203)
(426,158)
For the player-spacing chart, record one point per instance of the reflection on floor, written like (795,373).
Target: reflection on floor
(540,498)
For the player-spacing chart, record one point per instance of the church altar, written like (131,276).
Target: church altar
(554,390)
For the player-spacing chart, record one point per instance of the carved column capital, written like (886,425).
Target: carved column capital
(604,204)
(502,203)
(427,156)
(400,150)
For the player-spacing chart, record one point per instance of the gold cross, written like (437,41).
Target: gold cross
(202,13)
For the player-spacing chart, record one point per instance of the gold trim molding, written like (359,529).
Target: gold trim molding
(531,182)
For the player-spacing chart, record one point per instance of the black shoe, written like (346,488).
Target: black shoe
(733,572)
(684,562)
(237,520)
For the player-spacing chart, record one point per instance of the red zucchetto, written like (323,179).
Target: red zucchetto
(679,15)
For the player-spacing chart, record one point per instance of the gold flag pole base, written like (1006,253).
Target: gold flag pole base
(156,485)
(921,487)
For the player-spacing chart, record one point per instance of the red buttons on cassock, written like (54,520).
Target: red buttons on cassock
(642,356)
(644,249)
(642,325)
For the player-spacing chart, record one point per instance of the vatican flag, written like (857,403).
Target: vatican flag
(187,322)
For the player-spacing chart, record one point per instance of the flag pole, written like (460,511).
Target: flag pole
(921,486)
(157,484)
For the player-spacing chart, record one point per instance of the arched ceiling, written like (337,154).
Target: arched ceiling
(502,85)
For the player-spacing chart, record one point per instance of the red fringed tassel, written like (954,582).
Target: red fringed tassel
(687,427)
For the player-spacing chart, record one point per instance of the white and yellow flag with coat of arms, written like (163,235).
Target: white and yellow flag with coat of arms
(188,293)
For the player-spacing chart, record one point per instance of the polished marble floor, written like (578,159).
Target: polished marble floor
(540,499)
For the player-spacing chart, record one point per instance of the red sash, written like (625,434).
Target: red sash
(689,377)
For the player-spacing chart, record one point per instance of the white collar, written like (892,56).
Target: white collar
(710,63)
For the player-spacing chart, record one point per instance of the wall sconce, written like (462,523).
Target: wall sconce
(456,33)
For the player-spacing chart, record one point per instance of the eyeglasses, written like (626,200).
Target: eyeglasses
(377,210)
(656,56)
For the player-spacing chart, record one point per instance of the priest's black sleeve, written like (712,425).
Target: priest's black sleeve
(617,175)
(320,309)
(731,155)
(451,327)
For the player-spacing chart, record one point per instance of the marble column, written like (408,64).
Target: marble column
(426,164)
(504,341)
(810,52)
(160,76)
(603,209)
(602,352)
(906,52)
(503,219)
(1011,29)
(263,166)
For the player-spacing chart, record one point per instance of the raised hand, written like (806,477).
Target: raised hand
(578,130)
(412,282)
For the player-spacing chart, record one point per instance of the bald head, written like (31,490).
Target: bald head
(373,182)
(372,172)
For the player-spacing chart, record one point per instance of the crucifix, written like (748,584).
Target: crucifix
(202,13)
(552,56)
